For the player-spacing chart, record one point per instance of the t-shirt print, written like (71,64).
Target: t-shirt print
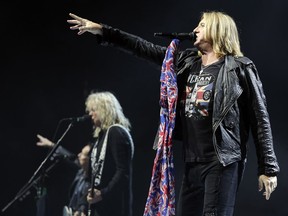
(198,95)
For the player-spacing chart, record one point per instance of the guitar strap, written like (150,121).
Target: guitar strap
(98,162)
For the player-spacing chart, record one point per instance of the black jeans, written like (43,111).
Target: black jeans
(209,189)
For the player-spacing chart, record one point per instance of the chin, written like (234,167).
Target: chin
(196,43)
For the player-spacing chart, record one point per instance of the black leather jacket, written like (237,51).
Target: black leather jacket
(239,100)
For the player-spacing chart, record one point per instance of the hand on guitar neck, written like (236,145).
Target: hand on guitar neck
(94,196)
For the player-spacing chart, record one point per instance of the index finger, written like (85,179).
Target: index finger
(268,191)
(75,16)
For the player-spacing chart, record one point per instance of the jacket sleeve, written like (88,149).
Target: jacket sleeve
(61,151)
(132,44)
(260,124)
(82,202)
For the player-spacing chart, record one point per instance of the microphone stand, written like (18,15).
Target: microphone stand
(24,192)
(33,180)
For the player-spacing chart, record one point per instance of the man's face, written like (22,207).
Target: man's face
(94,116)
(201,42)
(83,157)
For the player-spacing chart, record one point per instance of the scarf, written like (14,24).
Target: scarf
(161,195)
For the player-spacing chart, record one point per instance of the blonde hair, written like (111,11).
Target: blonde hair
(222,32)
(108,109)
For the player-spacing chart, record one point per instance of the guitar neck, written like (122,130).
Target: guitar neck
(91,193)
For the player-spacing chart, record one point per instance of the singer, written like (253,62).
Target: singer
(111,157)
(220,101)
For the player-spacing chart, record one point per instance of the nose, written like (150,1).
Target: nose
(195,30)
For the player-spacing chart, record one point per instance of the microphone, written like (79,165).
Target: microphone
(77,119)
(174,35)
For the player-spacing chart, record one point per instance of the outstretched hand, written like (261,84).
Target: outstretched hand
(84,25)
(270,184)
(44,141)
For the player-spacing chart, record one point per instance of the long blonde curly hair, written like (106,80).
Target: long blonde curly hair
(108,110)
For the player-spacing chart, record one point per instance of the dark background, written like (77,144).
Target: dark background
(47,71)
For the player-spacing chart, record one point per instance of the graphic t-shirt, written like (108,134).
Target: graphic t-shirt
(198,109)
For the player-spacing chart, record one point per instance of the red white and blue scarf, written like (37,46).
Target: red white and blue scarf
(161,196)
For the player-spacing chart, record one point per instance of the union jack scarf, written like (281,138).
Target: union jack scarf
(161,196)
